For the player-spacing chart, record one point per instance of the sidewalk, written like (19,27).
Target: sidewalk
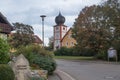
(60,75)
(54,77)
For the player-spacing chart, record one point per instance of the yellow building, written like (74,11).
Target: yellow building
(67,40)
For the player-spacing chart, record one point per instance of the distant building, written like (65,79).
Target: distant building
(37,40)
(5,27)
(60,31)
(67,40)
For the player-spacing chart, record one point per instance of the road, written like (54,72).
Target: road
(90,70)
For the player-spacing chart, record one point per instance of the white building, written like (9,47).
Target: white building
(59,30)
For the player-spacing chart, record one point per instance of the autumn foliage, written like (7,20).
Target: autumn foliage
(98,28)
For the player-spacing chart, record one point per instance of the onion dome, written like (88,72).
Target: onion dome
(59,19)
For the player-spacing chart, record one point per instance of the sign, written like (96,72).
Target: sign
(112,53)
(20,67)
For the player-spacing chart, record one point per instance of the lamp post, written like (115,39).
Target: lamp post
(43,16)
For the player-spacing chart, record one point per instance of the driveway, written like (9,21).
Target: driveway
(90,70)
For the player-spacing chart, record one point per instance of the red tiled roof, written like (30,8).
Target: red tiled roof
(37,39)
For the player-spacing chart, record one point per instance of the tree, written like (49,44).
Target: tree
(90,29)
(22,36)
(113,13)
(51,42)
(4,49)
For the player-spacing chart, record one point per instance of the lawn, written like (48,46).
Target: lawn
(74,57)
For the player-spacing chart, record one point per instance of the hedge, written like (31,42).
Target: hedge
(6,72)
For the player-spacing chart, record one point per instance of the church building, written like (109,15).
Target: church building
(60,31)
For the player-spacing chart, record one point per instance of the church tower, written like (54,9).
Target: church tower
(59,30)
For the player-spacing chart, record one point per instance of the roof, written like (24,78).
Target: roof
(66,34)
(5,26)
(60,19)
(37,40)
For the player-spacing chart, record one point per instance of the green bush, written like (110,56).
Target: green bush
(87,52)
(4,50)
(101,55)
(63,51)
(32,49)
(38,57)
(45,62)
(6,72)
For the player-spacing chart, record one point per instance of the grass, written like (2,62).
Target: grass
(74,57)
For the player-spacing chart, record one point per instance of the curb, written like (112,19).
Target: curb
(95,61)
(63,75)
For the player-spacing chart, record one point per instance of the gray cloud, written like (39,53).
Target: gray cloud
(29,11)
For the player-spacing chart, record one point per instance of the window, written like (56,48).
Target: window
(57,28)
(72,44)
(63,28)
(57,36)
(69,36)
(67,44)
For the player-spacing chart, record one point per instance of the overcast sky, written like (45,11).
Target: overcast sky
(29,11)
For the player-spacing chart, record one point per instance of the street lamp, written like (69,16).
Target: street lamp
(43,16)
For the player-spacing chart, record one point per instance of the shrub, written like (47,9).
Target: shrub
(4,49)
(88,52)
(6,72)
(101,55)
(45,62)
(38,57)
(63,51)
(32,49)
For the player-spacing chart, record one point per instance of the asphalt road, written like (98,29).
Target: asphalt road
(90,70)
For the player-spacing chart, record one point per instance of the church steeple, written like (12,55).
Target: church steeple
(60,19)
(59,30)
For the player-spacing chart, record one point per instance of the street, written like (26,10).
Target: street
(90,70)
